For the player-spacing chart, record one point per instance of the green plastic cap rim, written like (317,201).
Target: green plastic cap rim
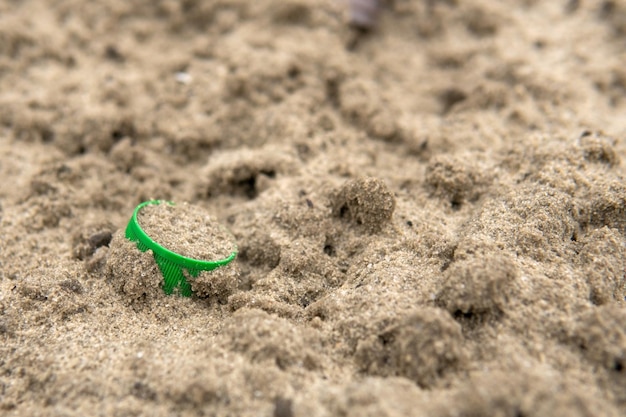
(171,263)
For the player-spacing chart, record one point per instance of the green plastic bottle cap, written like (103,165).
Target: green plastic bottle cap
(170,263)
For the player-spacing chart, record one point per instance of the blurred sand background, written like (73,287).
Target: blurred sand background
(431,217)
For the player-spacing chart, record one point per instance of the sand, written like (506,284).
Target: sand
(186,230)
(430,215)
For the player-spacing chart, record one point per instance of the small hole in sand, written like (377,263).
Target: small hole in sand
(343,211)
(269,173)
(248,187)
(450,98)
(293,72)
(117,135)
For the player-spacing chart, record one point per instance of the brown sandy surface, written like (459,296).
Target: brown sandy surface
(430,218)
(188,230)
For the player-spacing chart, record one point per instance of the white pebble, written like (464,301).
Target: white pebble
(183,77)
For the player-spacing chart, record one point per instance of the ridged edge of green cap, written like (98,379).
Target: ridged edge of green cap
(135,233)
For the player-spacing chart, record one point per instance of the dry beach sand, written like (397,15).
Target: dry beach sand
(431,217)
(187,230)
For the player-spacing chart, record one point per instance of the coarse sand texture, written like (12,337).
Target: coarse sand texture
(186,230)
(184,242)
(413,207)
